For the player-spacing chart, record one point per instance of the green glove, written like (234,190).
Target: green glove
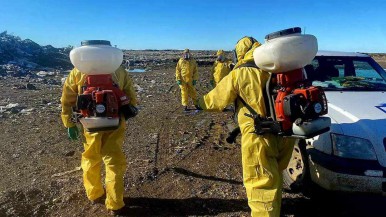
(73,133)
(179,82)
(194,82)
(212,82)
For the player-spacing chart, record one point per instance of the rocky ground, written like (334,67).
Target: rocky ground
(179,164)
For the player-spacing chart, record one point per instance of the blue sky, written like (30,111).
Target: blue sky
(345,25)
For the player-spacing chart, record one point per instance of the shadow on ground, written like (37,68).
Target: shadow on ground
(200,176)
(328,204)
(338,205)
(182,207)
(317,203)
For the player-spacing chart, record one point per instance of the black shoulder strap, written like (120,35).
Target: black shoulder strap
(250,109)
(248,64)
(265,94)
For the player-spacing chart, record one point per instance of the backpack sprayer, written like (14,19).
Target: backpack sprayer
(294,107)
(101,102)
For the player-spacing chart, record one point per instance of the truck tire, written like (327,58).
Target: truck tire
(296,176)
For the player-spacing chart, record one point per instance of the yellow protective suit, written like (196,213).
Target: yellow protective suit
(186,73)
(263,156)
(101,146)
(220,69)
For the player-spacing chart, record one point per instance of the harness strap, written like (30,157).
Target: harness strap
(262,124)
(265,94)
(248,64)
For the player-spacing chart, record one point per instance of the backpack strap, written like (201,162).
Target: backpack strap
(265,94)
(262,125)
(251,64)
(250,109)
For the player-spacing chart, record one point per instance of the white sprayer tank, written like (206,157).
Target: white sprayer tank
(96,57)
(286,50)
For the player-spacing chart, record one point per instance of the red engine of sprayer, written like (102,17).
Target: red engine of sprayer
(101,97)
(297,100)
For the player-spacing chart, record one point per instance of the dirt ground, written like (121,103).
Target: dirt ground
(179,164)
(380,58)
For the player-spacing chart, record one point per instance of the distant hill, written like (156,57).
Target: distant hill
(28,54)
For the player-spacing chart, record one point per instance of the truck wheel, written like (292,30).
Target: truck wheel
(297,175)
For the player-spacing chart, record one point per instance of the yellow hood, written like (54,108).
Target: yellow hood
(244,50)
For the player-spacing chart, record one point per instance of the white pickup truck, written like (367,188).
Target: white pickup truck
(352,155)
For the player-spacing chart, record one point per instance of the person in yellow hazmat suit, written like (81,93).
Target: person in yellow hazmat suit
(99,146)
(186,77)
(263,156)
(221,67)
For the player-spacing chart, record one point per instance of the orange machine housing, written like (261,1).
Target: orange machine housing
(101,97)
(296,98)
